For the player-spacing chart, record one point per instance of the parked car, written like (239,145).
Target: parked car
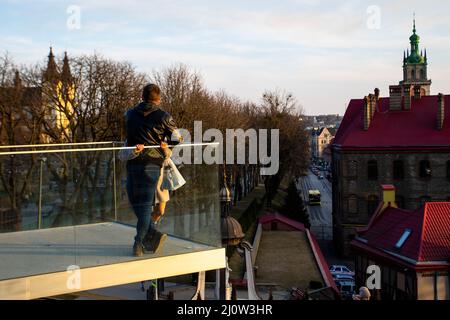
(346,288)
(341,270)
(342,277)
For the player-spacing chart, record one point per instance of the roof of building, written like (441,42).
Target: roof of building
(319,131)
(269,217)
(312,244)
(395,129)
(419,236)
(332,131)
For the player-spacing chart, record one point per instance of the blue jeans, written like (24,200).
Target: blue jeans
(141,186)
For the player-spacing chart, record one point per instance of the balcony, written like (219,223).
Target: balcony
(66,223)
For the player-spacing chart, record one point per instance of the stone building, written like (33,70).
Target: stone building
(320,139)
(403,140)
(52,98)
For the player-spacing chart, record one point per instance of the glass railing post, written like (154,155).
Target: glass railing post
(114,182)
(41,160)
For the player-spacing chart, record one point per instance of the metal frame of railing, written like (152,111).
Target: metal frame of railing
(6,153)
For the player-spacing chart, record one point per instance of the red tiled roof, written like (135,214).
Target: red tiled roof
(322,262)
(269,217)
(430,232)
(435,242)
(397,129)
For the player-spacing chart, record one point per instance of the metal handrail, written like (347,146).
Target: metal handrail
(10,153)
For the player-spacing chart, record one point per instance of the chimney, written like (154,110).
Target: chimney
(395,98)
(377,93)
(407,90)
(367,112)
(417,92)
(388,195)
(441,111)
(376,100)
(373,105)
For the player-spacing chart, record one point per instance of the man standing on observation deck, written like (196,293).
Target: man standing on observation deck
(147,125)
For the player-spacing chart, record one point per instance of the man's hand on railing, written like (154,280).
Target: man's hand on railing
(165,148)
(139,148)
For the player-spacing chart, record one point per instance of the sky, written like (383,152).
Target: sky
(323,52)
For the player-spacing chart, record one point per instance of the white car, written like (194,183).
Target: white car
(341,270)
(346,287)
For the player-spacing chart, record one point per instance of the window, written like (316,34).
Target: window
(353,204)
(425,169)
(372,204)
(422,74)
(413,74)
(448,169)
(352,168)
(398,170)
(372,170)
(403,238)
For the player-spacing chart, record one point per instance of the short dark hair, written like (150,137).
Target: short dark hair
(151,92)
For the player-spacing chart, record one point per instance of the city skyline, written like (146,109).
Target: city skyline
(322,52)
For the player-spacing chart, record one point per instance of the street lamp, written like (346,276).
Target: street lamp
(232,235)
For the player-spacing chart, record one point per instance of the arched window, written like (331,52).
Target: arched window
(422,74)
(372,204)
(398,170)
(372,170)
(425,169)
(413,74)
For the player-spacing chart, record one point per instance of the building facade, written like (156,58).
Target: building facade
(320,139)
(403,139)
(51,99)
(410,248)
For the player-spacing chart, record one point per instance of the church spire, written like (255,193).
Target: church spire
(66,74)
(51,73)
(415,65)
(415,56)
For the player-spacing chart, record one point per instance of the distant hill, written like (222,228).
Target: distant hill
(326,120)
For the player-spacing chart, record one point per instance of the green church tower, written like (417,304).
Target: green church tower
(415,65)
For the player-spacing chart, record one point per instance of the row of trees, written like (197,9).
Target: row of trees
(87,102)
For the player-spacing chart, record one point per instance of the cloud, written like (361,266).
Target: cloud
(244,47)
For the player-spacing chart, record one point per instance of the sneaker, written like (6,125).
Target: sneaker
(157,242)
(138,249)
(148,240)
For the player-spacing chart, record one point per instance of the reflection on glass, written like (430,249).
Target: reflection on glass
(40,192)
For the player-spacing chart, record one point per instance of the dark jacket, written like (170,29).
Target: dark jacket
(149,125)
